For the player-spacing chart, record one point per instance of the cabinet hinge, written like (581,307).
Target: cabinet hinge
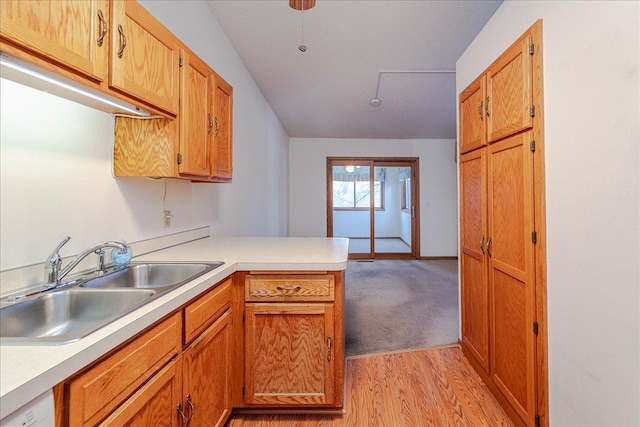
(537,420)
(534,237)
(179,158)
(532,111)
(532,146)
(180,62)
(535,327)
(531,49)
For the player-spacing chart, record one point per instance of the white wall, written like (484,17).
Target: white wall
(591,95)
(438,202)
(55,170)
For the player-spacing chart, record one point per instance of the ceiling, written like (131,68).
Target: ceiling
(325,91)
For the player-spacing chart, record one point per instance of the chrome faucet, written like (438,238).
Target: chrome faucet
(53,273)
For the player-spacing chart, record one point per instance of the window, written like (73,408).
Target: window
(355,195)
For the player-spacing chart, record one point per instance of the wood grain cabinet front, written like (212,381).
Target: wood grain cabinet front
(500,224)
(153,381)
(293,340)
(72,34)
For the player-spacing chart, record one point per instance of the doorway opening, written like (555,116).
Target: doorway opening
(374,202)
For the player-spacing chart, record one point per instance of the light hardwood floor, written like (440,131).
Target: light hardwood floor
(431,387)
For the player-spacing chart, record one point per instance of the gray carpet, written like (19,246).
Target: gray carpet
(400,304)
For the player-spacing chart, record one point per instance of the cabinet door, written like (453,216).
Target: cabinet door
(207,374)
(473,264)
(510,92)
(70,32)
(473,116)
(196,121)
(289,354)
(155,404)
(222,148)
(144,61)
(511,271)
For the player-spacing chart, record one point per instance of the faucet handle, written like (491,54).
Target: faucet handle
(53,262)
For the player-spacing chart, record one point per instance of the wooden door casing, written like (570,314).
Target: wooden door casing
(473,262)
(511,272)
(290,354)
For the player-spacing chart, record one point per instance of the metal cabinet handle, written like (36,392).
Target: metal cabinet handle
(179,409)
(210,124)
(217,127)
(329,342)
(123,41)
(489,247)
(289,288)
(193,408)
(103,23)
(482,244)
(480,110)
(486,107)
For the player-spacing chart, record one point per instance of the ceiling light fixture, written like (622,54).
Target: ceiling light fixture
(302,5)
(376,101)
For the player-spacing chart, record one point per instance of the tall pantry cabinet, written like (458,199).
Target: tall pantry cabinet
(503,289)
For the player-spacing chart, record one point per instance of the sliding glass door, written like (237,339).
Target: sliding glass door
(372,202)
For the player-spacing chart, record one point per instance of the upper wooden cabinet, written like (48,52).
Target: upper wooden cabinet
(145,57)
(472,116)
(196,121)
(499,102)
(198,146)
(221,156)
(73,34)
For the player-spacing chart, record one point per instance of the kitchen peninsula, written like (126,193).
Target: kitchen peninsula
(268,279)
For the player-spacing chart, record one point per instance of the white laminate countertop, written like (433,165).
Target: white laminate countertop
(28,371)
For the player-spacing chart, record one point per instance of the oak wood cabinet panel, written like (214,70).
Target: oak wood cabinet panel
(197,146)
(154,404)
(221,153)
(144,61)
(289,354)
(70,33)
(154,381)
(473,262)
(196,123)
(97,392)
(473,114)
(511,271)
(293,339)
(207,374)
(501,214)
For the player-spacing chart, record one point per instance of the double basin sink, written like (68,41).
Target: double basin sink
(64,315)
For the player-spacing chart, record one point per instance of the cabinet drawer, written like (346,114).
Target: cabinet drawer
(98,391)
(287,287)
(203,312)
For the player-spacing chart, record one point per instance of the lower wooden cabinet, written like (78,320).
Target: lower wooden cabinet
(152,381)
(289,354)
(293,339)
(207,375)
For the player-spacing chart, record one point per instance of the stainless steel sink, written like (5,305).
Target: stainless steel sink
(151,275)
(64,315)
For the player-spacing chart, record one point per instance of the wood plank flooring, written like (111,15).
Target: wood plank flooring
(431,387)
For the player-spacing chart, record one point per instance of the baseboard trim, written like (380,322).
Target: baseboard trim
(431,258)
